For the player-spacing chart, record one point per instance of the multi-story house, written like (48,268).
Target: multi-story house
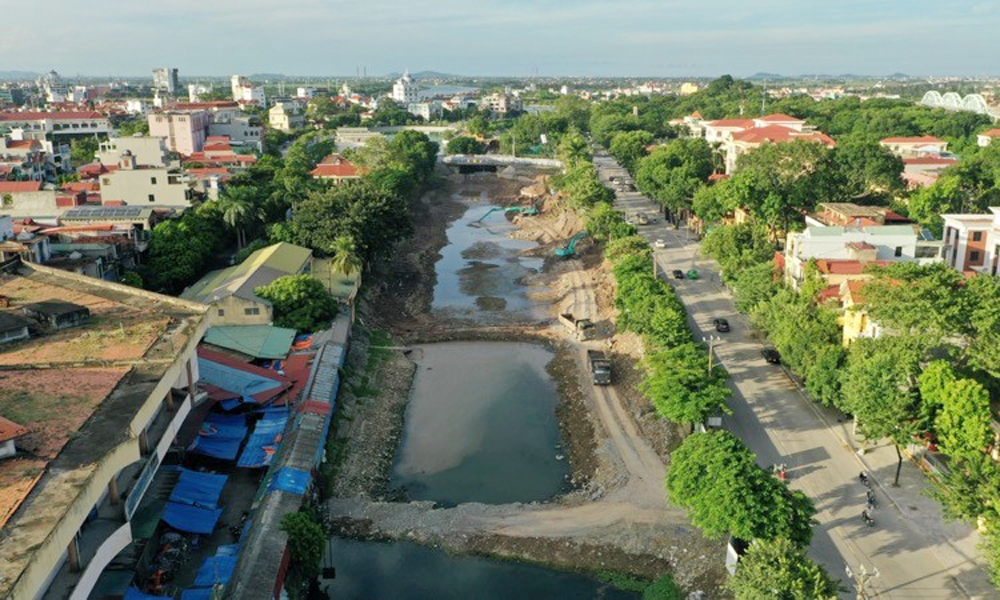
(972,242)
(57,123)
(285,116)
(911,147)
(135,184)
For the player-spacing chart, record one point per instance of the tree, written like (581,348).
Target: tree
(465,145)
(604,223)
(933,385)
(181,249)
(679,387)
(736,247)
(629,146)
(306,542)
(83,149)
(345,256)
(982,349)
(866,172)
(753,286)
(131,127)
(716,477)
(963,425)
(920,300)
(240,209)
(663,588)
(878,389)
(131,278)
(633,245)
(300,302)
(672,174)
(778,570)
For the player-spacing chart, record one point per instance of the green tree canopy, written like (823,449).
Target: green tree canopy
(673,173)
(306,542)
(778,570)
(678,385)
(628,147)
(465,145)
(300,302)
(739,246)
(963,424)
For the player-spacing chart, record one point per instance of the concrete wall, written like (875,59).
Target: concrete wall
(31,204)
(135,186)
(235,312)
(184,132)
(148,151)
(110,548)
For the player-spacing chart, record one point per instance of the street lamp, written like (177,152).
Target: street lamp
(711,341)
(862,581)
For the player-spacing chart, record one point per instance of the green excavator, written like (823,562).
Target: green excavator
(524,210)
(570,250)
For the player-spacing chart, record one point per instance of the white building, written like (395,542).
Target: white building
(986,138)
(196,90)
(305,92)
(57,122)
(501,103)
(285,116)
(429,111)
(147,151)
(406,90)
(166,79)
(150,186)
(908,147)
(888,243)
(245,92)
(972,242)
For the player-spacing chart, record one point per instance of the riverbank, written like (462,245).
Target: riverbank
(617,518)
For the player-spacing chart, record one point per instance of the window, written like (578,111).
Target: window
(105,181)
(222,312)
(974,256)
(251,311)
(899,251)
(152,180)
(152,197)
(977,236)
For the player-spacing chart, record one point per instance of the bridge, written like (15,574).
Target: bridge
(467,163)
(952,101)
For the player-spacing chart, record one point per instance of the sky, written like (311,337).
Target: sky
(661,38)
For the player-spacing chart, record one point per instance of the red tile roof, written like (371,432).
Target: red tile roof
(777,133)
(861,245)
(929,160)
(697,115)
(924,139)
(991,133)
(261,397)
(828,293)
(718,176)
(10,430)
(20,186)
(59,115)
(22,143)
(780,118)
(335,171)
(82,186)
(845,267)
(744,123)
(854,288)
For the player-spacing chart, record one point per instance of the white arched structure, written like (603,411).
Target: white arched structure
(952,101)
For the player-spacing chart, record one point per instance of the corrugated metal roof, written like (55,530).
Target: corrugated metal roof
(258,341)
(260,268)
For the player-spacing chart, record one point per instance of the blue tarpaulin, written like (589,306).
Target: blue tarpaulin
(220,436)
(264,440)
(192,519)
(198,489)
(215,569)
(134,594)
(197,594)
(290,480)
(235,380)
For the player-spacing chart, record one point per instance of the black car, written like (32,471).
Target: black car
(771,355)
(721,325)
(678,274)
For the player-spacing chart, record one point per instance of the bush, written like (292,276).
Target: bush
(306,541)
(300,302)
(663,588)
(249,249)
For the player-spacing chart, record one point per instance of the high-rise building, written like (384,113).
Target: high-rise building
(166,79)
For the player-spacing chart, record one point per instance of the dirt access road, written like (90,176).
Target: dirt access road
(620,520)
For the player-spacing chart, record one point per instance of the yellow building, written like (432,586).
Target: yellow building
(855,319)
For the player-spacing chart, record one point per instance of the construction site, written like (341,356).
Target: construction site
(469,421)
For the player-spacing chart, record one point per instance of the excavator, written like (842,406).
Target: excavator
(570,250)
(524,210)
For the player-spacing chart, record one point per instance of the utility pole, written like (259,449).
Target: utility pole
(863,581)
(711,340)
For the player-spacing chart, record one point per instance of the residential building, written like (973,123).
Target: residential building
(57,123)
(184,131)
(865,245)
(107,402)
(844,214)
(718,132)
(972,242)
(166,80)
(135,222)
(336,168)
(26,245)
(428,111)
(230,292)
(694,123)
(305,92)
(501,103)
(245,92)
(855,320)
(31,199)
(224,118)
(911,147)
(986,138)
(146,151)
(406,90)
(195,91)
(741,142)
(285,117)
(133,184)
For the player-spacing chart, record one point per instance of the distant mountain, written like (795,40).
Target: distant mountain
(18,75)
(766,76)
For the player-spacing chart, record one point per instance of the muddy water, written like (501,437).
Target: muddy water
(481,426)
(481,271)
(405,571)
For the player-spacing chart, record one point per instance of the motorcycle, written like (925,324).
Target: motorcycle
(867,518)
(863,477)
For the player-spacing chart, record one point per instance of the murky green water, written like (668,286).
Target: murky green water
(405,571)
(481,426)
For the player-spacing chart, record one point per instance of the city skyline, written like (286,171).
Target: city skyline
(516,38)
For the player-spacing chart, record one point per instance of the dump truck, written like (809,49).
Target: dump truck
(582,329)
(600,367)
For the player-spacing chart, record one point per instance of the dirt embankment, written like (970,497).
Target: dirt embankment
(617,518)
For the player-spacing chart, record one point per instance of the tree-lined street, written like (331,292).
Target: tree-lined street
(917,554)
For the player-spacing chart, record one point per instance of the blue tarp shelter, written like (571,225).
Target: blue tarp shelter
(194,503)
(238,381)
(215,569)
(197,594)
(133,593)
(264,440)
(220,436)
(290,480)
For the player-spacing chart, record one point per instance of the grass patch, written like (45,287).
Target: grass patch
(624,581)
(663,588)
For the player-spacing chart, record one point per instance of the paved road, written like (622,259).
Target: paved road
(917,554)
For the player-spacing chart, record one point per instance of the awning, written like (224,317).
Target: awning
(215,569)
(134,594)
(258,341)
(192,519)
(198,489)
(264,441)
(220,436)
(197,594)
(290,480)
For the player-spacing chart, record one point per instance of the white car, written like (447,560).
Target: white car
(659,244)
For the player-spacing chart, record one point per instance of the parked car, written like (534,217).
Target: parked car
(721,325)
(692,274)
(660,244)
(771,355)
(678,274)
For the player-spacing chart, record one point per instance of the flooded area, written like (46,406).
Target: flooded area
(406,571)
(481,273)
(481,426)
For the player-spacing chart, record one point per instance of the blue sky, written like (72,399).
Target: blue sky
(504,37)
